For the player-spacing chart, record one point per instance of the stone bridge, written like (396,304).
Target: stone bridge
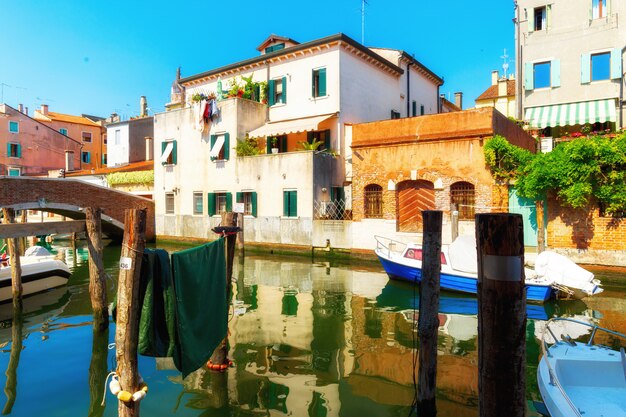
(69,197)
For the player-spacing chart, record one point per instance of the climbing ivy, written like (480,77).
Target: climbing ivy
(134,177)
(585,169)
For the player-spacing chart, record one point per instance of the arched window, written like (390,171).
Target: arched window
(373,201)
(462,196)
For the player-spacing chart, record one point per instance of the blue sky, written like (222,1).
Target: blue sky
(87,56)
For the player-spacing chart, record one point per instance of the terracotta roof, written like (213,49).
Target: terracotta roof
(449,104)
(133,166)
(492,91)
(68,118)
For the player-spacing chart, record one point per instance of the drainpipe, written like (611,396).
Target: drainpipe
(518,62)
(621,92)
(408,88)
(267,107)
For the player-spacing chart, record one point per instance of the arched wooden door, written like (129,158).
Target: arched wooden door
(413,197)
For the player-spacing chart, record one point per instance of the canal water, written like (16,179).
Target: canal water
(307,339)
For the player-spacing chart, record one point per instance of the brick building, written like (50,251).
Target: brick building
(425,163)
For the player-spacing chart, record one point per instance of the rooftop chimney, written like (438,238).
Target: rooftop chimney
(143,103)
(149,149)
(494,77)
(502,87)
(69,160)
(20,108)
(26,111)
(44,109)
(458,99)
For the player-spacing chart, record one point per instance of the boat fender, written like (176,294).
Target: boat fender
(218,367)
(122,395)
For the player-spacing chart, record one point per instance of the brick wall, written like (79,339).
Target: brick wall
(74,193)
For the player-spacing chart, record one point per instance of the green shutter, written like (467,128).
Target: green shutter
(8,149)
(284,90)
(272,92)
(528,76)
(229,202)
(257,92)
(414,108)
(254,203)
(163,146)
(313,83)
(293,204)
(327,139)
(239,197)
(211,204)
(282,143)
(285,203)
(212,143)
(531,19)
(268,144)
(616,63)
(322,81)
(548,16)
(555,73)
(88,157)
(585,68)
(310,137)
(174,155)
(19,150)
(226,146)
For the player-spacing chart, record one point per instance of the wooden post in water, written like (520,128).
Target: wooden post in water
(428,322)
(16,268)
(454,221)
(501,315)
(220,354)
(97,276)
(127,328)
(541,233)
(22,240)
(10,389)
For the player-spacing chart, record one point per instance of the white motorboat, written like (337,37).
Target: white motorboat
(582,379)
(40,272)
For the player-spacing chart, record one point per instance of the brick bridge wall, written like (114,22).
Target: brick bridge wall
(21,190)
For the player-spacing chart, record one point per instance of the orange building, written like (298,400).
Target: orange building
(90,132)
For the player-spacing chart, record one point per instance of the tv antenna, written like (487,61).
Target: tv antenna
(505,65)
(2,85)
(363,4)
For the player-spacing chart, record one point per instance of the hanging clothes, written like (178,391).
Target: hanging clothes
(214,110)
(201,304)
(198,115)
(157,325)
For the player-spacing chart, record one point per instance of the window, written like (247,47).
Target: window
(104,138)
(218,203)
(197,203)
(14,172)
(290,203)
(539,20)
(319,82)
(598,9)
(541,75)
(86,137)
(462,196)
(168,152)
(249,200)
(220,147)
(104,159)
(274,48)
(169,203)
(276,142)
(395,114)
(85,157)
(14,127)
(63,131)
(118,139)
(422,112)
(321,136)
(414,108)
(278,91)
(14,150)
(373,201)
(601,66)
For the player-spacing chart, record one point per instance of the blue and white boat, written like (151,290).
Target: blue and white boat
(581,379)
(459,271)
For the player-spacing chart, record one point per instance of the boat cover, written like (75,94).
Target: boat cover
(462,253)
(37,251)
(560,269)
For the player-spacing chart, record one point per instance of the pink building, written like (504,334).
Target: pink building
(28,147)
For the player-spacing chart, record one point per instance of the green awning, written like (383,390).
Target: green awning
(571,114)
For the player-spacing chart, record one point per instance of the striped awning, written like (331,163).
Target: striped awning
(571,114)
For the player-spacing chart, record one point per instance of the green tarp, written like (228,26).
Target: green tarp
(201,304)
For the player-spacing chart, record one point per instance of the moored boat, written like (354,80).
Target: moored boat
(582,379)
(40,272)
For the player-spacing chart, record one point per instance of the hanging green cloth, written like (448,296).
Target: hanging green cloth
(201,305)
(156,298)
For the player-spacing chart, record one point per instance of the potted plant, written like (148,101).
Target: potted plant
(274,142)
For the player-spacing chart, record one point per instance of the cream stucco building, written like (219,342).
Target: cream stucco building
(286,97)
(570,64)
(500,95)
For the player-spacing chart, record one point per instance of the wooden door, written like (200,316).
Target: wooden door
(413,197)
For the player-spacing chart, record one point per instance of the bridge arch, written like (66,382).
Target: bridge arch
(69,197)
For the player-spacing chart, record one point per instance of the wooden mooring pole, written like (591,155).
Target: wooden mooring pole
(127,328)
(14,260)
(428,322)
(454,221)
(541,232)
(97,276)
(501,315)
(220,354)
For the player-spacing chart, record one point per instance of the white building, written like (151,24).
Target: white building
(299,93)
(128,141)
(570,55)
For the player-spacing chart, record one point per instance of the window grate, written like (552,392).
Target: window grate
(462,196)
(374,201)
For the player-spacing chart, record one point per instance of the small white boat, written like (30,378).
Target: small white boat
(582,379)
(40,272)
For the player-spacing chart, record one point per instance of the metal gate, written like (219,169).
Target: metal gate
(413,197)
